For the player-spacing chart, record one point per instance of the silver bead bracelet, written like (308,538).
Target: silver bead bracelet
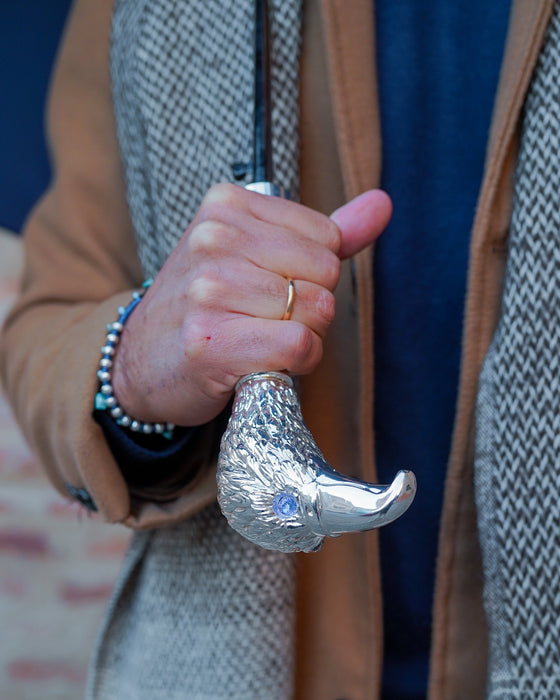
(105,399)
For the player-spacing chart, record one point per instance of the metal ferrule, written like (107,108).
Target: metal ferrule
(269,188)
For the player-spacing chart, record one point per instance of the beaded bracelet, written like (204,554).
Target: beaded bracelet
(105,399)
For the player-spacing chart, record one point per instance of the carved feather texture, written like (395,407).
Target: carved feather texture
(267,457)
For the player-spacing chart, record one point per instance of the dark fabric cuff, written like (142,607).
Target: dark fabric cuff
(147,460)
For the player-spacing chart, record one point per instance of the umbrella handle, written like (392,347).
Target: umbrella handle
(275,487)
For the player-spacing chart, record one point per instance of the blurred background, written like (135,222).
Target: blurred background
(57,564)
(30,32)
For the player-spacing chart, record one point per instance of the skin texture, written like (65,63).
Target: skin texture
(212,313)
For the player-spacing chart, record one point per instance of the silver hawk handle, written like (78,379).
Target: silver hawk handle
(274,486)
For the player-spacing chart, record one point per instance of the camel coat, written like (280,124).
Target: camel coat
(81,264)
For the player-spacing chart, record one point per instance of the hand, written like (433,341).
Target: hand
(212,313)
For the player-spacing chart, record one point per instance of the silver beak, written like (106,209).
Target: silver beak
(347,505)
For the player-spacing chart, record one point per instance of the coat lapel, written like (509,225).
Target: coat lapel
(458,642)
(342,656)
(349,32)
(350,48)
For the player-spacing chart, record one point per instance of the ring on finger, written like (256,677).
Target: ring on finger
(290,301)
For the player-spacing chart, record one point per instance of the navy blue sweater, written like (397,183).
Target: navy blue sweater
(438,71)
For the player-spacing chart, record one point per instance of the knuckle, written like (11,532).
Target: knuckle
(332,235)
(222,198)
(331,271)
(192,336)
(302,345)
(275,288)
(326,306)
(203,291)
(210,236)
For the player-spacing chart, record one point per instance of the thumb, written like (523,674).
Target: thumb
(362,220)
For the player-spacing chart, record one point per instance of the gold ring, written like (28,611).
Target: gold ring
(290,302)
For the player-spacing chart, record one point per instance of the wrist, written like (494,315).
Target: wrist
(124,386)
(110,386)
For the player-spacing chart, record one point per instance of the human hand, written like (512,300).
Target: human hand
(212,313)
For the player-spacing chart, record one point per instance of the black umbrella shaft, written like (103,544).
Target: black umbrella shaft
(263,170)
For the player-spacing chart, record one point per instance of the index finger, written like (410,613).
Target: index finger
(296,217)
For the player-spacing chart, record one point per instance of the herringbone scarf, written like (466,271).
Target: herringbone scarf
(517,467)
(199,612)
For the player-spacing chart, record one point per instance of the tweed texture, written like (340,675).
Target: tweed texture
(183,80)
(517,465)
(199,612)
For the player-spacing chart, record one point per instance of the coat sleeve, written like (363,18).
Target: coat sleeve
(80,265)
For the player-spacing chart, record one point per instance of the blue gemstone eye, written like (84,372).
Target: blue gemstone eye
(284,505)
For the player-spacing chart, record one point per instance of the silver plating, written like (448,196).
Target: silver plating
(275,487)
